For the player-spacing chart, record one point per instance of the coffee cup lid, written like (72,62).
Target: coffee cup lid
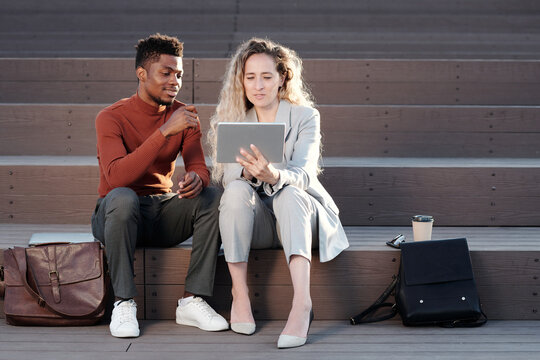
(422,218)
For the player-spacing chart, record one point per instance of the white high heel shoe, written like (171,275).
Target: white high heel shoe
(290,341)
(243,328)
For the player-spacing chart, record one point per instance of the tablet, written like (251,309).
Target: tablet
(268,137)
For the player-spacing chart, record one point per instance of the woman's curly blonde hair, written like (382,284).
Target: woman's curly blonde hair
(233,103)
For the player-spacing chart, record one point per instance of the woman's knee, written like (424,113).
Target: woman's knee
(237,195)
(290,197)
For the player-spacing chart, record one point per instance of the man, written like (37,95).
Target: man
(138,141)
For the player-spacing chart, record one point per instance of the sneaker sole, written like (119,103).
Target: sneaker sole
(124,335)
(195,324)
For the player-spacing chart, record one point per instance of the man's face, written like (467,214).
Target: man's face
(160,81)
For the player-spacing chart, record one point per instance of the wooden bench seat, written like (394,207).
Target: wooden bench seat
(505,261)
(368,191)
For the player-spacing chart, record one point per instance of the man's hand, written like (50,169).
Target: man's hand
(190,186)
(257,166)
(184,117)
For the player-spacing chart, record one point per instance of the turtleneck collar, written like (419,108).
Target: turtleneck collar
(147,108)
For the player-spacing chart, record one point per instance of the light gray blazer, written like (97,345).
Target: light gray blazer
(299,168)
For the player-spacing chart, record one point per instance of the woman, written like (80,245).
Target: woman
(266,205)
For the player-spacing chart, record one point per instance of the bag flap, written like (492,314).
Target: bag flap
(435,261)
(73,262)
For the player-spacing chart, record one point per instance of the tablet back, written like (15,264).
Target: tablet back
(268,137)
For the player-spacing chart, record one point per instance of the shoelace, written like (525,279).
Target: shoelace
(205,308)
(125,311)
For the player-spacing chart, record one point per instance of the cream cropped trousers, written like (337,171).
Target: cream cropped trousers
(251,220)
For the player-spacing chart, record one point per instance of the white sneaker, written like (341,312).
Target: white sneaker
(124,319)
(198,313)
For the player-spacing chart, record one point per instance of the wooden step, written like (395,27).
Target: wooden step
(329,44)
(334,82)
(505,261)
(400,82)
(368,191)
(348,130)
(315,29)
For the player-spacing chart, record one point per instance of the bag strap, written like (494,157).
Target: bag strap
(2,283)
(467,323)
(378,304)
(19,254)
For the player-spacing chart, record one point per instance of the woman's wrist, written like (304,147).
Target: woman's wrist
(275,175)
(248,177)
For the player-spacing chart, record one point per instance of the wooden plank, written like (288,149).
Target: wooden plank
(402,93)
(460,131)
(75,80)
(399,81)
(386,195)
(166,21)
(352,267)
(334,302)
(415,6)
(80,92)
(393,45)
(450,144)
(428,119)
(428,181)
(69,129)
(281,6)
(372,71)
(62,209)
(207,5)
(365,22)
(361,238)
(450,211)
(82,180)
(327,339)
(109,70)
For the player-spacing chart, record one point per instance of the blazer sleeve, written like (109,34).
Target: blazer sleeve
(302,165)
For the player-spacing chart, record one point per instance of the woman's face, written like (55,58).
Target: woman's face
(262,81)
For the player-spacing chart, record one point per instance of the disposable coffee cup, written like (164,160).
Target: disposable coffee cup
(422,226)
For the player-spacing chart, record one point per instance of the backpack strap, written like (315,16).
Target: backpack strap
(363,318)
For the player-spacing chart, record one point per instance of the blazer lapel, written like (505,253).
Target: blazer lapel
(284,116)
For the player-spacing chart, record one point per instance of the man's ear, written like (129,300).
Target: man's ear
(141,73)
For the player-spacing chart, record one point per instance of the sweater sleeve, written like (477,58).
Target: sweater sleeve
(193,155)
(119,167)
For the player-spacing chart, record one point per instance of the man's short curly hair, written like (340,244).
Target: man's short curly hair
(150,48)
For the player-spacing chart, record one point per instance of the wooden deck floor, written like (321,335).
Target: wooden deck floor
(327,340)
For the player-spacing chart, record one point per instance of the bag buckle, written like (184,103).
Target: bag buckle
(53,272)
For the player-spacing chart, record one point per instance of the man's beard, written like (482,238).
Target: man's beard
(160,101)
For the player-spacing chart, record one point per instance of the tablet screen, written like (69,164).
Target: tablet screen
(232,136)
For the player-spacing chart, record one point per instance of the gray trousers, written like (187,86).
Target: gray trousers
(251,220)
(123,220)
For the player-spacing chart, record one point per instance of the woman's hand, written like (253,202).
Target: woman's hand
(257,166)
